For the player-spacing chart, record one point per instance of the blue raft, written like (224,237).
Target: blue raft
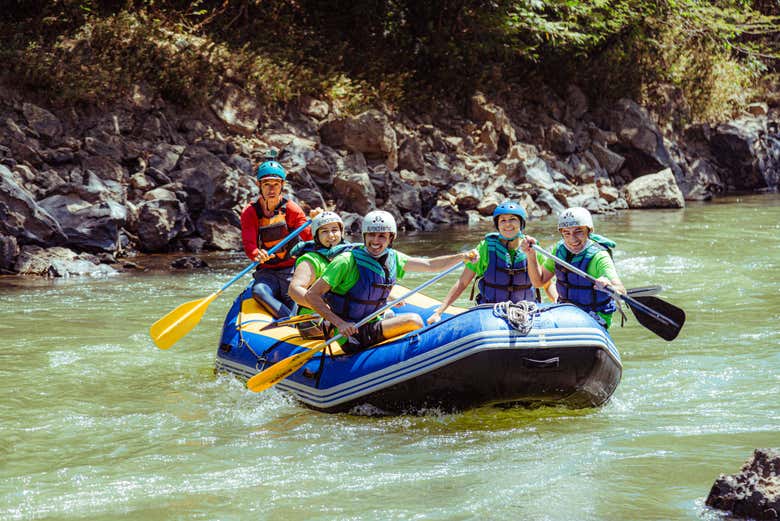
(486,355)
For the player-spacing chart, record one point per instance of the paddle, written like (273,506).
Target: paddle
(287,321)
(644,291)
(651,312)
(173,326)
(284,368)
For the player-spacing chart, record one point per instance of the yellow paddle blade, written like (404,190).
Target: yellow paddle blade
(173,326)
(281,370)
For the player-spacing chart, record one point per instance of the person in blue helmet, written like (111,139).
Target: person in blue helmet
(502,266)
(585,250)
(264,224)
(358,282)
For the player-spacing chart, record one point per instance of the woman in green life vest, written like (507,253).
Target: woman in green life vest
(313,257)
(502,266)
(589,252)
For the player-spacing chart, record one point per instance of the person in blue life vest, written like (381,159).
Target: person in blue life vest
(589,252)
(264,224)
(358,282)
(502,267)
(312,257)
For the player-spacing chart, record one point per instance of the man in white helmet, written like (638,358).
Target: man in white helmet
(585,250)
(358,282)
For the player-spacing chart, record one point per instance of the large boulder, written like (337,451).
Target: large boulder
(658,190)
(371,134)
(160,220)
(88,226)
(639,139)
(753,493)
(748,157)
(22,217)
(59,262)
(221,229)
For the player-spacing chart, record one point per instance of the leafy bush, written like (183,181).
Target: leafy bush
(360,54)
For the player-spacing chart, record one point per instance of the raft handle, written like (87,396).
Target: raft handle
(550,363)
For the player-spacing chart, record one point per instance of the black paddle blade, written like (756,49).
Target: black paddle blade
(660,327)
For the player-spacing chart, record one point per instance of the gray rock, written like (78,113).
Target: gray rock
(9,251)
(410,156)
(355,191)
(221,229)
(239,111)
(88,226)
(22,217)
(658,190)
(611,161)
(547,199)
(753,493)
(189,263)
(59,262)
(41,120)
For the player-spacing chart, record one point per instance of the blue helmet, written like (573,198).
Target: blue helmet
(271,169)
(510,208)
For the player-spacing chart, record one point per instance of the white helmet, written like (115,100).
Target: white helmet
(379,221)
(576,216)
(323,219)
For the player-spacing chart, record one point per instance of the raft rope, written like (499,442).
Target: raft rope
(520,315)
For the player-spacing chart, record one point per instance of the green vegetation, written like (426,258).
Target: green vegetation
(709,54)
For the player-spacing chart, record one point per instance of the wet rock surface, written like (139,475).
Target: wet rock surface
(754,493)
(142,177)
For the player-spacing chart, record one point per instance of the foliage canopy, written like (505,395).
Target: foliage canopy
(711,53)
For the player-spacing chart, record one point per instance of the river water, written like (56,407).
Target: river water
(96,423)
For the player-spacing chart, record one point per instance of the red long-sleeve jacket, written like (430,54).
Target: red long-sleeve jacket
(250,226)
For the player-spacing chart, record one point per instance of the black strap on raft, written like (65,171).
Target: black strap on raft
(474,286)
(509,287)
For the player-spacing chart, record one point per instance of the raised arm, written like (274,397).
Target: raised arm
(436,264)
(455,291)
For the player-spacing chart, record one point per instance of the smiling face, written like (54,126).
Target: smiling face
(377,243)
(329,235)
(575,238)
(508,225)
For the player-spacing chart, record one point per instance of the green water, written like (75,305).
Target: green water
(96,423)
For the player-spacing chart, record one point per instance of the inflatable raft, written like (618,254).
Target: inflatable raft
(518,354)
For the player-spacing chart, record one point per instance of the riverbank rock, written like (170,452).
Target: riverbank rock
(59,262)
(753,493)
(189,263)
(143,175)
(654,191)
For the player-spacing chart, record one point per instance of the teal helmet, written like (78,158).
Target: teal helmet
(271,169)
(510,208)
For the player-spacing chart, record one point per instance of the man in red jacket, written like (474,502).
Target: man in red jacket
(265,223)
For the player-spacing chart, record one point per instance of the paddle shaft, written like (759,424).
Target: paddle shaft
(172,327)
(284,368)
(608,289)
(273,250)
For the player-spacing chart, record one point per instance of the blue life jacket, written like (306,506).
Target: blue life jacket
(328,254)
(370,292)
(504,279)
(579,290)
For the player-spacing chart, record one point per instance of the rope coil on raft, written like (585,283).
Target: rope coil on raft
(519,315)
